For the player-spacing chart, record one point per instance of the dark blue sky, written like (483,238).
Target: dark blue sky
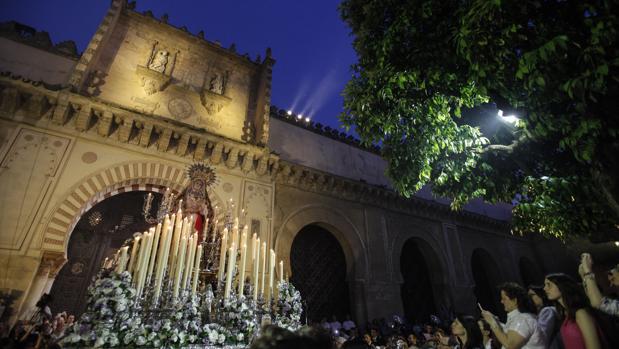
(310,42)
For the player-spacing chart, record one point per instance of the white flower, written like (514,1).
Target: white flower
(140,341)
(239,337)
(212,337)
(221,338)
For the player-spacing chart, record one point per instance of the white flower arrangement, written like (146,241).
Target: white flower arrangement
(289,307)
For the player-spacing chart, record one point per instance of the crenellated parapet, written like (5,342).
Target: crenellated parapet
(33,103)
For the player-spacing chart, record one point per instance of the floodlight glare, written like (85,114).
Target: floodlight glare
(299,116)
(307,119)
(512,119)
(289,112)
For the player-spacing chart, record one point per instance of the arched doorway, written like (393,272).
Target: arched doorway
(98,234)
(487,278)
(530,272)
(417,290)
(319,272)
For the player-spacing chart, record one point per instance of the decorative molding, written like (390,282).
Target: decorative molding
(87,117)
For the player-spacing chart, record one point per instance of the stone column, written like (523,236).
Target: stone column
(50,265)
(461,285)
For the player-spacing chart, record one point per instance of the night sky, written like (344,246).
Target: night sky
(310,43)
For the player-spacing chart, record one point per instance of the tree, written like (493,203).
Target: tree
(431,73)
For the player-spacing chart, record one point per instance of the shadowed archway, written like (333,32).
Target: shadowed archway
(487,278)
(417,290)
(319,273)
(97,235)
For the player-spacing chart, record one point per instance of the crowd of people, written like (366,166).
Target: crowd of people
(560,314)
(41,331)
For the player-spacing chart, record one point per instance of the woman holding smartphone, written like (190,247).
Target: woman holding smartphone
(521,329)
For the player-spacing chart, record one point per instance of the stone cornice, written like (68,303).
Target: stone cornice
(33,103)
(313,180)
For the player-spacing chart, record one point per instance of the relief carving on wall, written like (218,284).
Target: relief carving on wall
(157,73)
(213,94)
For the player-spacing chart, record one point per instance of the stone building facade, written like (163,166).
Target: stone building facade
(146,99)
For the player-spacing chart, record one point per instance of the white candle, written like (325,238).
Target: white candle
(231,260)
(189,265)
(179,266)
(140,257)
(281,271)
(143,270)
(222,253)
(151,263)
(122,261)
(271,271)
(264,267)
(196,272)
(162,264)
(256,264)
(134,253)
(252,261)
(242,271)
(172,239)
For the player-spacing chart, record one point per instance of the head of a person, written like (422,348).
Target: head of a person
(514,296)
(613,276)
(467,330)
(70,319)
(374,332)
(538,296)
(367,338)
(566,293)
(428,329)
(412,339)
(401,344)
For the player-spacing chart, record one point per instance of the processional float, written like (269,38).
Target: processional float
(186,282)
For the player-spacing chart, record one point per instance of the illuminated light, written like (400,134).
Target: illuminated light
(617,243)
(289,112)
(299,116)
(307,119)
(512,119)
(544,178)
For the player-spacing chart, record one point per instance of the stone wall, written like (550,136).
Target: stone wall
(34,63)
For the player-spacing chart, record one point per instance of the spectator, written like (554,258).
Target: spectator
(428,333)
(607,305)
(377,339)
(486,335)
(467,332)
(547,317)
(579,329)
(521,329)
(412,341)
(367,340)
(335,325)
(274,337)
(348,323)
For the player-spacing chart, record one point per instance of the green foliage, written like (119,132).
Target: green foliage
(425,67)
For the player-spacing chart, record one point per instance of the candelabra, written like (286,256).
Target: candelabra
(165,207)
